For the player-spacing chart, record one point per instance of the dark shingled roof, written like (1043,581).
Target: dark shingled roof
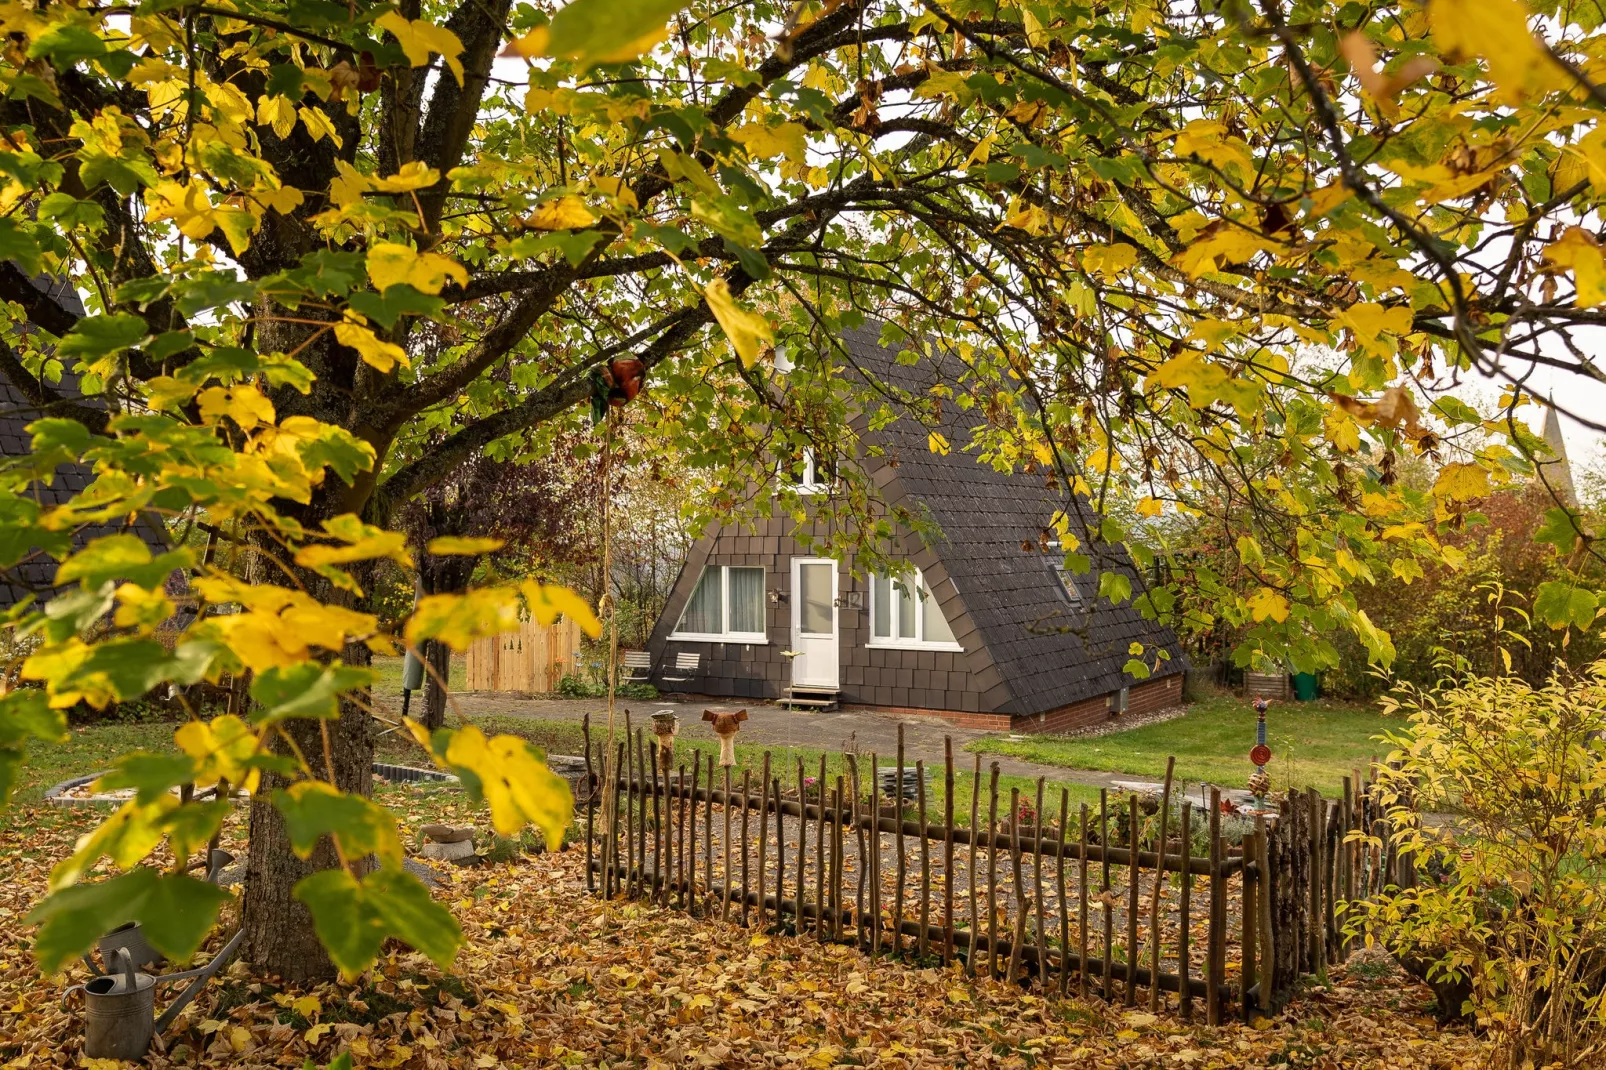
(37,575)
(1049,652)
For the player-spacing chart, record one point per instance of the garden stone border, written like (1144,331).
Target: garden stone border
(56,794)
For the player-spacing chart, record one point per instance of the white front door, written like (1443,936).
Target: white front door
(814,625)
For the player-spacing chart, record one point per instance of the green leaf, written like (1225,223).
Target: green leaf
(313,809)
(99,337)
(175,911)
(150,774)
(1561,604)
(304,690)
(25,714)
(608,31)
(1559,530)
(121,557)
(69,212)
(121,174)
(19,245)
(352,919)
(66,44)
(397,301)
(1116,586)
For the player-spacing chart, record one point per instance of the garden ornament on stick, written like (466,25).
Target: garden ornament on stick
(726,725)
(1260,754)
(666,724)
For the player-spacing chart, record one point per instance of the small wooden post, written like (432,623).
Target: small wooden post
(780,850)
(1081,910)
(1022,906)
(992,873)
(747,804)
(1216,930)
(642,759)
(974,944)
(820,861)
(1348,850)
(1039,941)
(1315,826)
(1268,946)
(619,785)
(1134,878)
(726,881)
(764,834)
(861,868)
(875,854)
(948,850)
(1253,886)
(694,902)
(902,871)
(591,806)
(1106,896)
(923,943)
(630,809)
(1155,930)
(836,860)
(659,846)
(802,849)
(708,843)
(1059,889)
(681,852)
(1184,995)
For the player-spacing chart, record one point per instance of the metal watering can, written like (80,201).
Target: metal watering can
(120,1005)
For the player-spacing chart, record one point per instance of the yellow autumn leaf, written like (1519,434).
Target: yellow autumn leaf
(458,545)
(413,175)
(518,786)
(1461,482)
(937,443)
(1268,604)
(1496,31)
(762,142)
(547,602)
(1229,245)
(459,619)
(565,213)
(390,263)
(1327,198)
(383,356)
(243,403)
(187,205)
(1578,250)
(1109,260)
(1150,507)
(419,38)
(744,329)
(221,746)
(1370,321)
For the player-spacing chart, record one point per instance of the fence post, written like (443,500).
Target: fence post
(1184,995)
(1134,878)
(1216,931)
(875,854)
(1037,890)
(923,943)
(974,943)
(992,872)
(1159,882)
(591,804)
(820,862)
(1081,910)
(902,868)
(1106,896)
(948,850)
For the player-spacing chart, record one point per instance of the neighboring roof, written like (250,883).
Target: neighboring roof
(1049,653)
(37,575)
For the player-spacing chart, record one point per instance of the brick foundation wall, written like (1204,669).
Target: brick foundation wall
(1142,698)
(986,722)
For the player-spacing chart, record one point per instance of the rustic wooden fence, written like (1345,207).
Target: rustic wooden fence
(1074,904)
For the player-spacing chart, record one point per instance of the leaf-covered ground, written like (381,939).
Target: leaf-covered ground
(552,976)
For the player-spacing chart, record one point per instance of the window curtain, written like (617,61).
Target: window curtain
(704,615)
(937,630)
(881,604)
(747,600)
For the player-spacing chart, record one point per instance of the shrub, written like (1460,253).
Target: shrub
(1509,902)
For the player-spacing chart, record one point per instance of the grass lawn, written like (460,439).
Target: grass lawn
(1313,744)
(388,675)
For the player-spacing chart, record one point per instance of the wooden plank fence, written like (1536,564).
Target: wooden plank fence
(532,659)
(1057,901)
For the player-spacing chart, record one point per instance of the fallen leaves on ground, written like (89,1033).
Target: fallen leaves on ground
(551,976)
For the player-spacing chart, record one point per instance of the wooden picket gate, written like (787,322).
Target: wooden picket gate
(1067,905)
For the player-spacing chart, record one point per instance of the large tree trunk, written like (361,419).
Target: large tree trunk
(278,930)
(279,936)
(439,658)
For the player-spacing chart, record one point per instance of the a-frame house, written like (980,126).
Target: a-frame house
(988,631)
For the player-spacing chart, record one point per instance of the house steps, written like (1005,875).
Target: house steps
(800,697)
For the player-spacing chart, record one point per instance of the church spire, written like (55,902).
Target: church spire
(1557,469)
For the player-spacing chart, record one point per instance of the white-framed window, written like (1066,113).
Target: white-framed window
(1067,579)
(904,613)
(727,605)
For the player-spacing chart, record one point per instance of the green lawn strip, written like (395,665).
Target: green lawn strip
(1313,744)
(388,677)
